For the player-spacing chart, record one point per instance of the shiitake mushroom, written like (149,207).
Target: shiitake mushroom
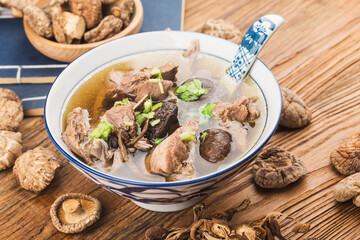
(215,144)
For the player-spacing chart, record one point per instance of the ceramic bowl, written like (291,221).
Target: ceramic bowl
(164,196)
(68,52)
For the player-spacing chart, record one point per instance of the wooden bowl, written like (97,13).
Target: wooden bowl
(68,52)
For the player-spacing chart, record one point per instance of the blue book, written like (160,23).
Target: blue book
(21,64)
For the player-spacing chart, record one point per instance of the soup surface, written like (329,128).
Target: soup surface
(210,70)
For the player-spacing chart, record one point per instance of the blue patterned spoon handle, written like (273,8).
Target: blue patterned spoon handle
(252,43)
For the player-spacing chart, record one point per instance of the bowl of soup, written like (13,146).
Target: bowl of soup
(154,118)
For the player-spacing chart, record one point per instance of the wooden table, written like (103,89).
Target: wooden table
(315,53)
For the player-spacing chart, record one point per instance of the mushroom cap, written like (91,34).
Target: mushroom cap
(277,168)
(348,188)
(220,228)
(35,169)
(295,113)
(74,212)
(346,158)
(10,148)
(245,232)
(201,224)
(11,112)
(156,233)
(223,29)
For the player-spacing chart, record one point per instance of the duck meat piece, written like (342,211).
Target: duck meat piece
(153,90)
(254,113)
(236,110)
(122,117)
(191,125)
(168,155)
(76,133)
(215,144)
(238,133)
(171,155)
(117,86)
(168,72)
(193,49)
(99,150)
(167,114)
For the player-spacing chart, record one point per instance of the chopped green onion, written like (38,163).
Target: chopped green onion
(157,80)
(102,130)
(141,117)
(187,136)
(203,136)
(156,106)
(124,102)
(154,80)
(155,122)
(137,113)
(190,91)
(207,111)
(129,123)
(147,105)
(158,140)
(156,71)
(161,88)
(149,115)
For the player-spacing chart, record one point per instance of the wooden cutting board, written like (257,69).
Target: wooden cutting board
(315,53)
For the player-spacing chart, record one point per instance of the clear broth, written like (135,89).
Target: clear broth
(91,93)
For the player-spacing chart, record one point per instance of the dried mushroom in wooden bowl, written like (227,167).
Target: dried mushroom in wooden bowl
(64,29)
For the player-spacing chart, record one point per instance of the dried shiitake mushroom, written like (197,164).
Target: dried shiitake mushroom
(74,212)
(57,23)
(11,112)
(17,6)
(210,229)
(108,27)
(267,226)
(245,232)
(38,21)
(295,113)
(223,29)
(35,169)
(346,158)
(123,9)
(348,188)
(277,168)
(67,27)
(10,148)
(91,10)
(156,233)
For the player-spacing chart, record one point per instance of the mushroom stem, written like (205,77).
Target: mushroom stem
(72,206)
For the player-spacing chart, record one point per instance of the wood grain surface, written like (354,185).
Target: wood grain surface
(315,53)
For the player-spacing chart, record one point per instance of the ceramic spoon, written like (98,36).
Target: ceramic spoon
(252,43)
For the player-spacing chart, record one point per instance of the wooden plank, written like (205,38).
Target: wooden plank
(315,53)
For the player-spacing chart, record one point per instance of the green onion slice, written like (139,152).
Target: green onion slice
(155,122)
(102,130)
(187,136)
